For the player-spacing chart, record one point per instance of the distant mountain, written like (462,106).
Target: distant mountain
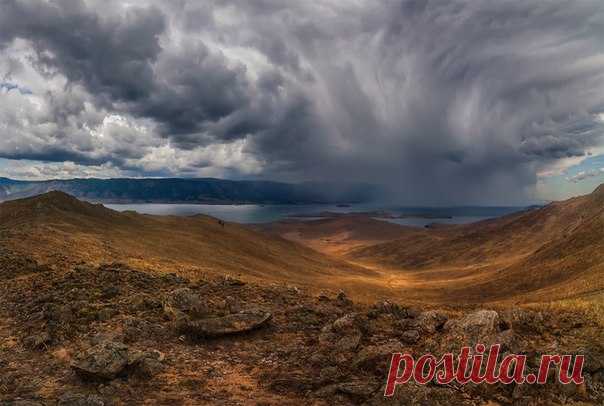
(201,190)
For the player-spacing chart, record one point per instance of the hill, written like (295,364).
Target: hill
(61,231)
(201,190)
(556,251)
(536,255)
(99,307)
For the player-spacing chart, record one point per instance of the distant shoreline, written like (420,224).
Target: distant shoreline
(375,214)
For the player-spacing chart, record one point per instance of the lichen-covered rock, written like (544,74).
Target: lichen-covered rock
(110,359)
(103,361)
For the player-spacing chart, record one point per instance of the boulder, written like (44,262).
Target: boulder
(110,359)
(103,361)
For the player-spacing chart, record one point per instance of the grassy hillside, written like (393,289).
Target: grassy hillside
(555,252)
(536,255)
(62,231)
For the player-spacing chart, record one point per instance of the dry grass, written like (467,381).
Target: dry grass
(556,252)
(540,255)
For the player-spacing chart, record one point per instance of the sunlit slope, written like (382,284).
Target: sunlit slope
(558,249)
(552,252)
(60,230)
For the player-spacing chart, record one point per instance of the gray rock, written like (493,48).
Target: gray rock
(103,361)
(111,359)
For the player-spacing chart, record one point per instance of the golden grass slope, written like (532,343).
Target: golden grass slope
(555,252)
(61,231)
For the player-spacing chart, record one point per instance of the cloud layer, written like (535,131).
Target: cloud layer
(444,102)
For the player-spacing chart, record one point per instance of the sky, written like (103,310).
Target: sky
(443,102)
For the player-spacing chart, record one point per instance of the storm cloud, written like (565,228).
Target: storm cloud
(440,102)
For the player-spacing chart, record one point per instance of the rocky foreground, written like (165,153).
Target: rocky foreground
(111,335)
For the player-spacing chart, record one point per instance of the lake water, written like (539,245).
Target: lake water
(252,213)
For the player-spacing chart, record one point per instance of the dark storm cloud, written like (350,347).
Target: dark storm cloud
(449,101)
(444,102)
(117,58)
(111,55)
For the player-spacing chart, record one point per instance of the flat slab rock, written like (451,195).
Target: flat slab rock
(109,360)
(232,324)
(103,361)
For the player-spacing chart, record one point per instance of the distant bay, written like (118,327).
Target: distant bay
(253,213)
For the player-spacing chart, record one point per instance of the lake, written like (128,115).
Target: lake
(253,213)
